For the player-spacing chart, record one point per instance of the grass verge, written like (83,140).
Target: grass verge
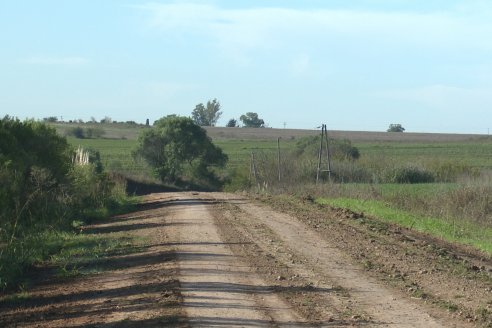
(451,230)
(67,251)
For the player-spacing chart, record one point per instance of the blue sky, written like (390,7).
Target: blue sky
(354,65)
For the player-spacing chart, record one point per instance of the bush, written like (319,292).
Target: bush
(94,133)
(76,132)
(237,180)
(451,172)
(89,133)
(350,172)
(410,174)
(339,149)
(41,190)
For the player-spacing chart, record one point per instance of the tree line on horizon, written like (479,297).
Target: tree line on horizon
(203,115)
(209,114)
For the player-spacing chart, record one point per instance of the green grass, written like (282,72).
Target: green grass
(389,190)
(417,189)
(461,232)
(239,151)
(68,250)
(473,153)
(121,140)
(78,252)
(72,254)
(116,154)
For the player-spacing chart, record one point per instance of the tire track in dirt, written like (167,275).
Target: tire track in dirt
(217,287)
(370,300)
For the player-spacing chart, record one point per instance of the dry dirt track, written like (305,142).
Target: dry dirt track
(220,260)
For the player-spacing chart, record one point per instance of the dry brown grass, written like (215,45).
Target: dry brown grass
(357,136)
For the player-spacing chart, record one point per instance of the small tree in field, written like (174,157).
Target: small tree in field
(232,123)
(396,128)
(179,150)
(51,119)
(207,115)
(251,120)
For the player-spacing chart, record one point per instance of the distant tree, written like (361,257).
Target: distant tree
(93,119)
(76,132)
(179,150)
(395,128)
(51,119)
(94,133)
(232,123)
(207,115)
(106,120)
(251,120)
(87,133)
(147,122)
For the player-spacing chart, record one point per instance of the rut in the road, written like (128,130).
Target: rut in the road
(324,266)
(217,287)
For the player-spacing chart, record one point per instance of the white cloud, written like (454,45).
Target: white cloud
(271,27)
(56,61)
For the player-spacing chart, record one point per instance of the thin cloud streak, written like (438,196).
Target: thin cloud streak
(56,61)
(268,27)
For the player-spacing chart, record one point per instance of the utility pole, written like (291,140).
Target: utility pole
(324,145)
(285,124)
(278,159)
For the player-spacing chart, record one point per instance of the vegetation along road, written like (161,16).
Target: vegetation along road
(229,260)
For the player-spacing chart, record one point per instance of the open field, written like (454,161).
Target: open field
(128,131)
(462,161)
(238,143)
(354,136)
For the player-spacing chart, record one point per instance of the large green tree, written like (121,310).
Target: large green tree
(179,150)
(251,120)
(207,115)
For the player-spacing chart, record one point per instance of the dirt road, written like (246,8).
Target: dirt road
(222,260)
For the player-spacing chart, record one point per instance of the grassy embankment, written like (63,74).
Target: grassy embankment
(457,208)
